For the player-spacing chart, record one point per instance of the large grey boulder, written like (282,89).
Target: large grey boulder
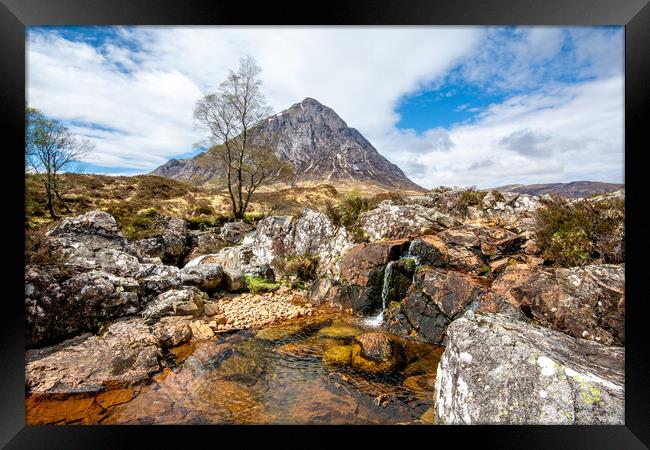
(206,277)
(92,241)
(126,354)
(497,370)
(155,279)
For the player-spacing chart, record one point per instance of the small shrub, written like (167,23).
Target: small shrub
(253,217)
(498,196)
(348,210)
(582,232)
(302,267)
(204,222)
(257,285)
(202,208)
(37,249)
(394,197)
(469,197)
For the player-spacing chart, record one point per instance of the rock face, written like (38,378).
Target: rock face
(436,298)
(56,311)
(496,370)
(393,221)
(127,353)
(279,237)
(585,302)
(362,272)
(318,143)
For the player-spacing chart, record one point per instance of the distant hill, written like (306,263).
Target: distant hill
(572,189)
(319,144)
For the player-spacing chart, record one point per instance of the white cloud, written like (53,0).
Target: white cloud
(142,95)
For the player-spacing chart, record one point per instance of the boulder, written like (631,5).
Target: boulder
(233,280)
(172,331)
(432,250)
(391,221)
(496,370)
(585,302)
(170,241)
(206,277)
(362,273)
(203,243)
(55,311)
(324,290)
(201,330)
(436,298)
(154,279)
(376,353)
(234,232)
(180,302)
(92,241)
(127,353)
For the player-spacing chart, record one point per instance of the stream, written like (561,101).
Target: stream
(273,376)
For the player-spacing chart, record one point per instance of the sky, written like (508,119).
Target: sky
(455,106)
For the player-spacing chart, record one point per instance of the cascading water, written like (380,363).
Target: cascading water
(377,320)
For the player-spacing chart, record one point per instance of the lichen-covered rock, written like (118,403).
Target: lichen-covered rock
(92,241)
(180,302)
(585,302)
(206,277)
(154,279)
(393,221)
(376,353)
(56,311)
(496,370)
(126,354)
(435,299)
(362,272)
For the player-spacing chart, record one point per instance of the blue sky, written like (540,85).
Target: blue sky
(477,106)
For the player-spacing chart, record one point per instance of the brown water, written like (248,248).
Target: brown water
(273,377)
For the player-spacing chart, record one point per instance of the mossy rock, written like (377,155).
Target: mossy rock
(278,333)
(338,355)
(376,353)
(340,330)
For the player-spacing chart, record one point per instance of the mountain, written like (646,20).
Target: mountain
(568,190)
(320,145)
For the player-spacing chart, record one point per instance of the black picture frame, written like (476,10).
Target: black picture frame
(15,15)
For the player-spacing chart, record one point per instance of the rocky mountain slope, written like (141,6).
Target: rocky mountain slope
(317,142)
(567,190)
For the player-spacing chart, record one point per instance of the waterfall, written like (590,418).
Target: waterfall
(377,320)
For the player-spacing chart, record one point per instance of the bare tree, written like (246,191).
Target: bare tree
(50,148)
(230,116)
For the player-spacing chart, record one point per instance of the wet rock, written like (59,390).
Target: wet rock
(362,272)
(206,277)
(435,299)
(496,370)
(181,302)
(393,221)
(233,280)
(397,278)
(172,331)
(376,353)
(339,330)
(585,302)
(324,290)
(126,354)
(234,232)
(338,355)
(54,311)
